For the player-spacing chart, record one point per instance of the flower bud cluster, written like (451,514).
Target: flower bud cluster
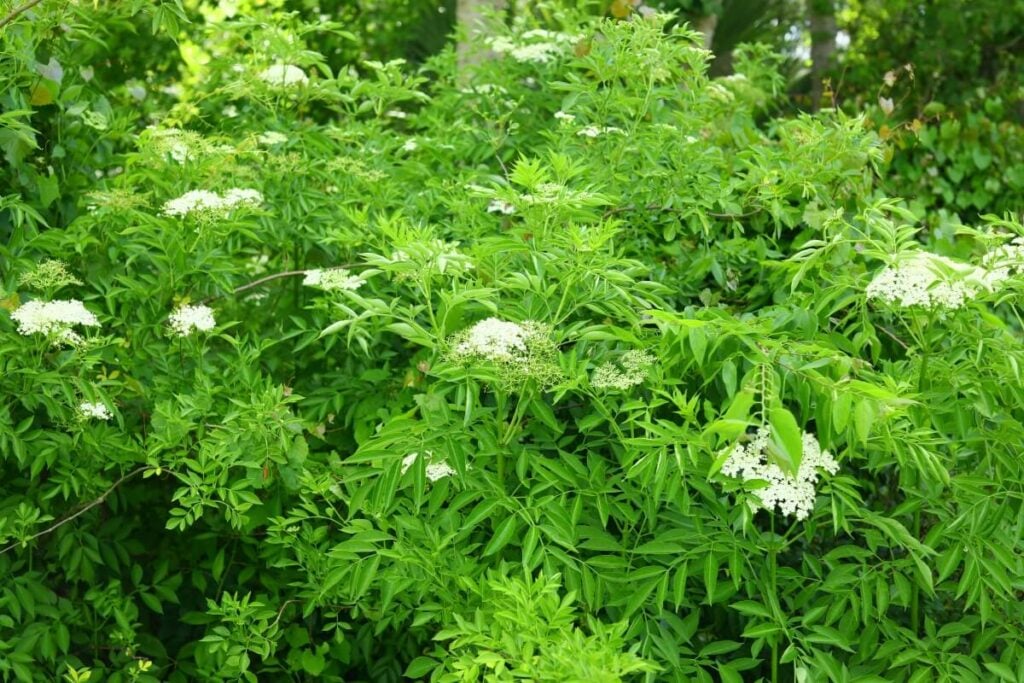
(520,351)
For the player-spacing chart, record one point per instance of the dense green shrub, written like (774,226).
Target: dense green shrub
(957,165)
(572,365)
(943,81)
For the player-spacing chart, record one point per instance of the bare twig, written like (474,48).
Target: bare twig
(281,611)
(18,11)
(81,512)
(892,336)
(264,280)
(271,278)
(671,209)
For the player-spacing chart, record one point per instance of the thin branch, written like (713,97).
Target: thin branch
(893,336)
(262,280)
(671,209)
(271,278)
(81,512)
(281,611)
(18,11)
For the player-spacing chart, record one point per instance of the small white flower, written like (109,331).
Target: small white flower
(484,89)
(272,137)
(284,75)
(433,470)
(229,112)
(564,117)
(54,318)
(98,411)
(136,90)
(410,145)
(332,279)
(396,114)
(174,90)
(595,131)
(501,206)
(187,319)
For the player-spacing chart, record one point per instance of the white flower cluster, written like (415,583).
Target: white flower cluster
(596,131)
(496,339)
(520,351)
(484,89)
(793,495)
(632,369)
(434,470)
(501,206)
(89,410)
(929,281)
(187,319)
(332,279)
(284,76)
(537,46)
(271,138)
(54,319)
(1004,261)
(211,204)
(410,145)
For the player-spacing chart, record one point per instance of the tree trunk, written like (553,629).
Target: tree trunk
(469,15)
(822,15)
(706,25)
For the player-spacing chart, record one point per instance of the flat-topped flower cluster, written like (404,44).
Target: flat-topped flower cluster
(925,280)
(210,204)
(792,495)
(54,319)
(192,318)
(89,410)
(630,370)
(929,281)
(537,46)
(519,351)
(284,76)
(332,279)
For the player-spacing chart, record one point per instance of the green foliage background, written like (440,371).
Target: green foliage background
(246,514)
